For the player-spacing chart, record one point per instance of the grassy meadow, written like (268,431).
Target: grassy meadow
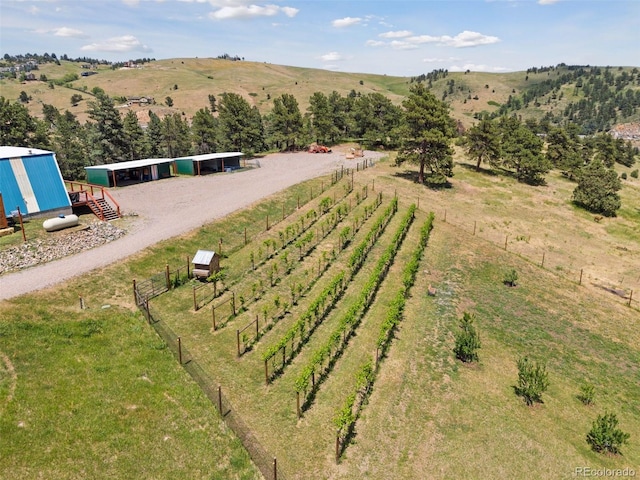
(95,392)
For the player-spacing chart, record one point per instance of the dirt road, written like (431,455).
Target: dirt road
(170,207)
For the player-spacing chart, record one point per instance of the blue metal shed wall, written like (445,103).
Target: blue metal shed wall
(46,182)
(11,195)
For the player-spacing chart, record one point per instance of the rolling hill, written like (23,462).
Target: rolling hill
(535,93)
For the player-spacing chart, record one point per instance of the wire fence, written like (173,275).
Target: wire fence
(544,258)
(266,463)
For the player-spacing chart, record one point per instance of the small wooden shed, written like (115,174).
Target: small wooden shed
(205,263)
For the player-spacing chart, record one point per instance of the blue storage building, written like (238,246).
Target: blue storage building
(30,179)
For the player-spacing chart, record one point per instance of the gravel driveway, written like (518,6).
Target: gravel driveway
(170,207)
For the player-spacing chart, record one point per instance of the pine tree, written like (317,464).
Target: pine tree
(467,339)
(597,189)
(427,133)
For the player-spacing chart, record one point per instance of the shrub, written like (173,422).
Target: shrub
(587,393)
(634,174)
(623,175)
(467,340)
(510,278)
(533,380)
(605,437)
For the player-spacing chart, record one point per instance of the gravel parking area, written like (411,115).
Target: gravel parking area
(165,208)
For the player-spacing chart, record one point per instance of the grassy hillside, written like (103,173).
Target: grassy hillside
(110,383)
(198,78)
(470,93)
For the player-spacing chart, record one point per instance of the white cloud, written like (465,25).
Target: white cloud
(251,11)
(469,39)
(476,68)
(346,22)
(68,32)
(439,60)
(125,43)
(397,34)
(462,40)
(33,10)
(331,57)
(403,45)
(131,3)
(547,2)
(290,11)
(375,43)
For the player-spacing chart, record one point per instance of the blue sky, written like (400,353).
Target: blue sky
(393,37)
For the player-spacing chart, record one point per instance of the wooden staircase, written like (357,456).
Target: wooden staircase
(102,209)
(95,198)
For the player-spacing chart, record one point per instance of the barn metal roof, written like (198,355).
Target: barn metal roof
(13,152)
(211,156)
(203,257)
(146,162)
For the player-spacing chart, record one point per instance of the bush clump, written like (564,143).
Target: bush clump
(467,340)
(533,380)
(605,436)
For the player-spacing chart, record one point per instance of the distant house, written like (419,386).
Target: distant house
(87,74)
(30,179)
(140,101)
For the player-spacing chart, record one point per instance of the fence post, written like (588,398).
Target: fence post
(266,372)
(24,235)
(238,340)
(146,309)
(180,350)
(580,281)
(267,221)
(245,235)
(474,226)
(167,277)
(337,446)
(283,217)
(542,264)
(630,297)
(275,469)
(220,399)
(213,315)
(506,238)
(135,292)
(188,267)
(298,202)
(445,216)
(81,303)
(298,403)
(233,303)
(257,326)
(195,303)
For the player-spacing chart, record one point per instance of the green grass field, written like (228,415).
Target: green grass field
(95,392)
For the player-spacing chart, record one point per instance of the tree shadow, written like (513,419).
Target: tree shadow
(484,171)
(433,182)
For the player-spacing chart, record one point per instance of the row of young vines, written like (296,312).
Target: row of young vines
(323,359)
(349,413)
(319,308)
(273,311)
